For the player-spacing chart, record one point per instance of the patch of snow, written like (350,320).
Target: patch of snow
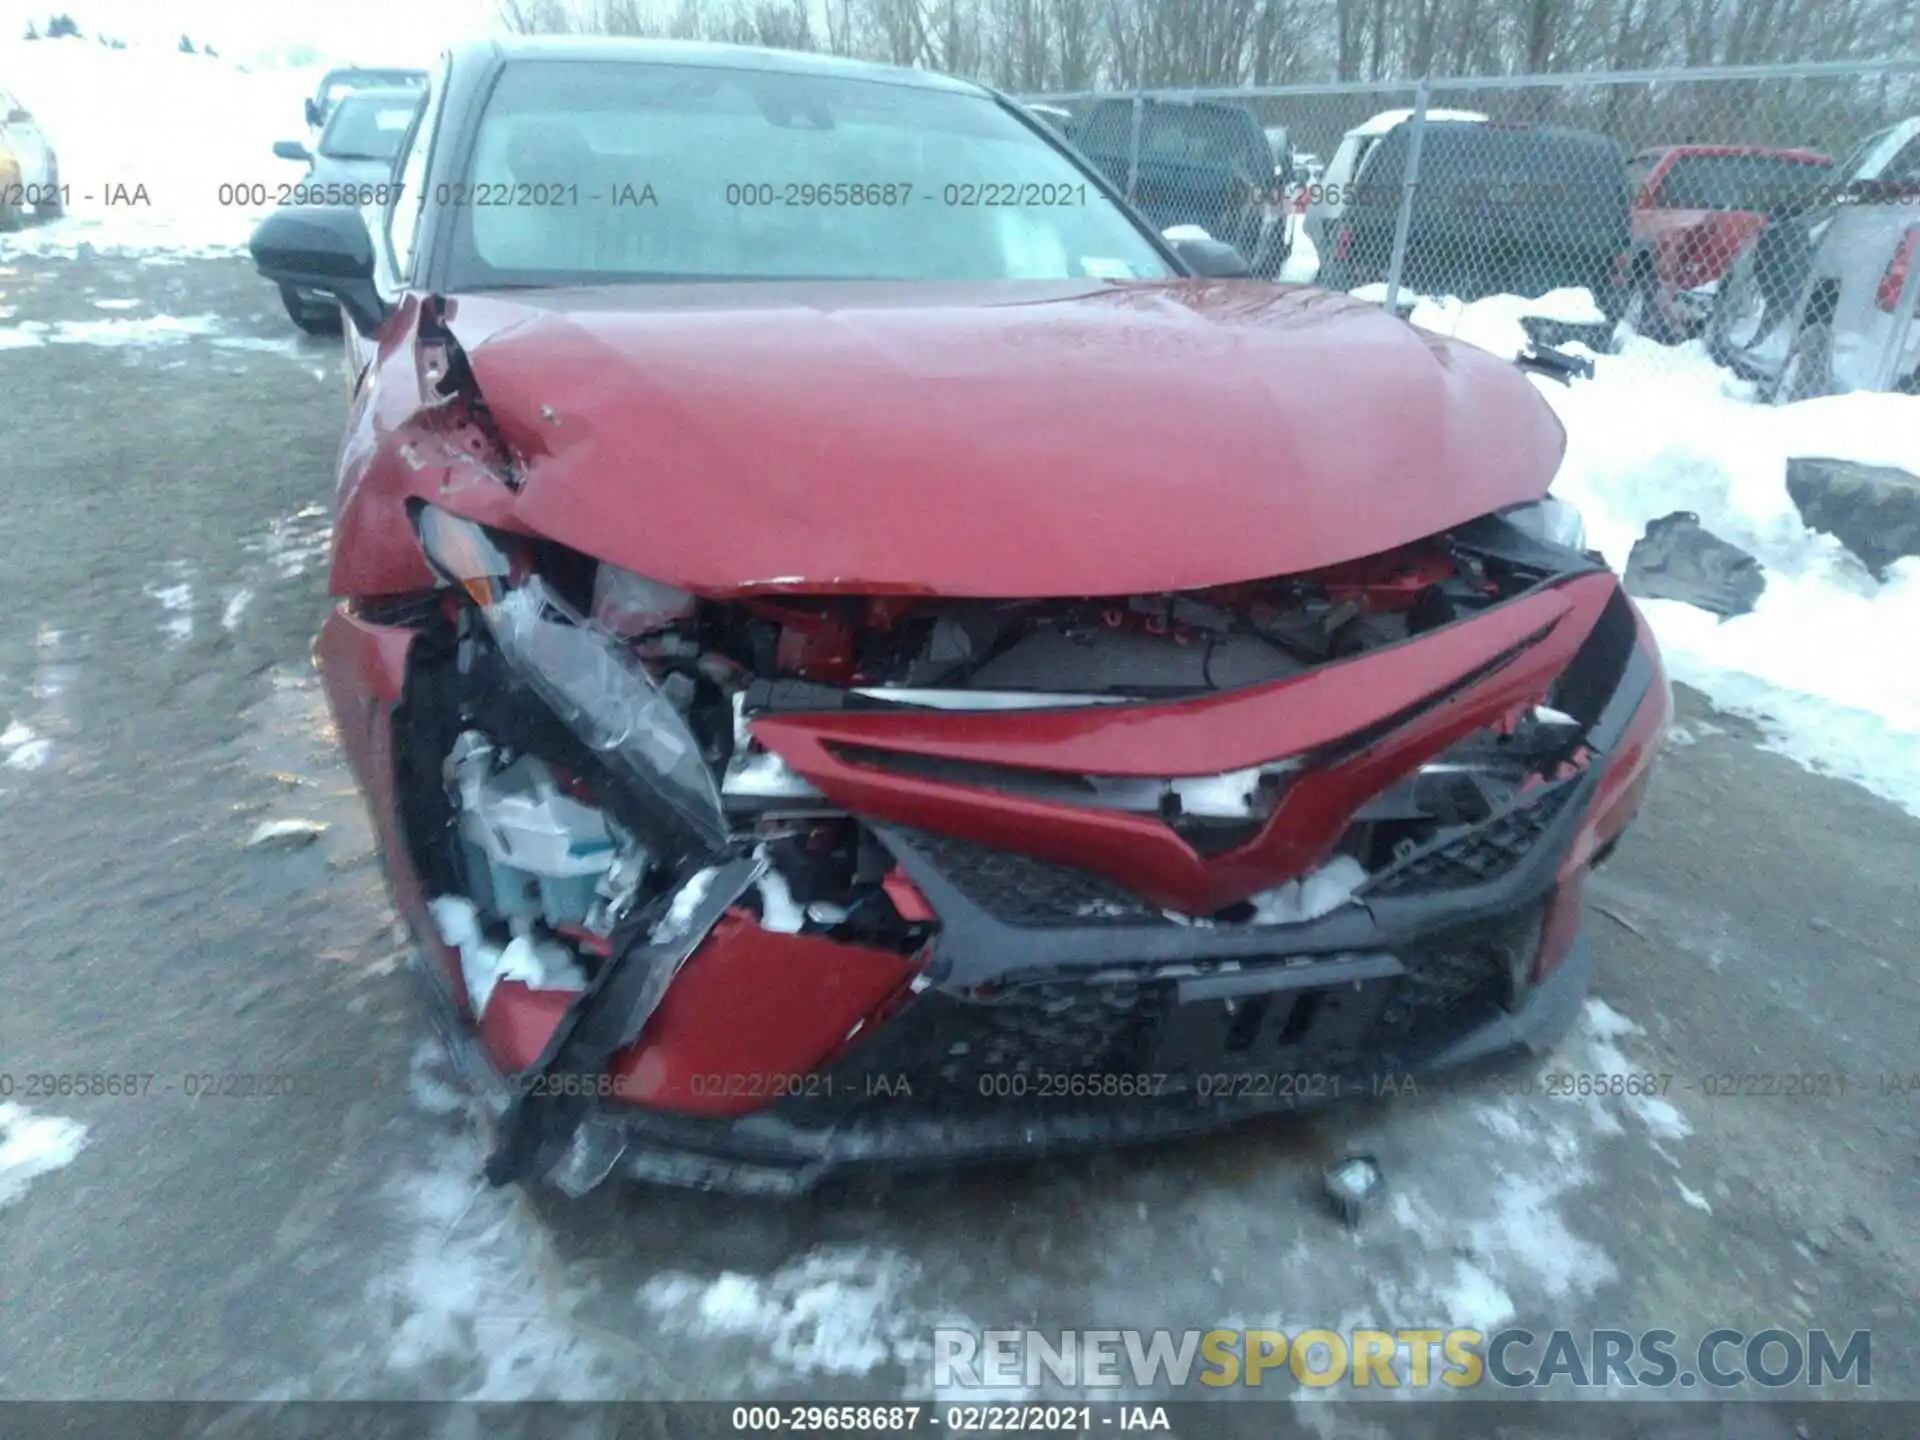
(1311,895)
(1303,257)
(836,1311)
(145,330)
(235,607)
(33,1145)
(285,834)
(29,755)
(1493,323)
(1661,429)
(779,911)
(116,304)
(686,902)
(147,138)
(24,336)
(176,606)
(1693,1197)
(288,345)
(426,1087)
(479,1289)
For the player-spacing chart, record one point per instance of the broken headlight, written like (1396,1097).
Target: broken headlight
(590,679)
(1553,521)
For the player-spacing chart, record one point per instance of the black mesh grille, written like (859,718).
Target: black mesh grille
(1026,1045)
(1484,853)
(1020,890)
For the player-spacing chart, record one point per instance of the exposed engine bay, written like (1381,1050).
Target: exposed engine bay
(580,739)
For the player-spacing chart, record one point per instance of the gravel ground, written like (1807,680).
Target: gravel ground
(163,512)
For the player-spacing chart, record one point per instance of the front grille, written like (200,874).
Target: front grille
(1483,853)
(962,1056)
(1017,889)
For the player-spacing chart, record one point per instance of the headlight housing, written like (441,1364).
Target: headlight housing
(1552,521)
(587,675)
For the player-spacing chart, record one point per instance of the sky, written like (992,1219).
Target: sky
(271,31)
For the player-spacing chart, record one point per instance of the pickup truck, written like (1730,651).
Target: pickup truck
(1194,162)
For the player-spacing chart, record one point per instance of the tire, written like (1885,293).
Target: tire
(314,322)
(1644,312)
(1808,371)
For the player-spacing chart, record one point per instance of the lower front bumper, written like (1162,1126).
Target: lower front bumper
(782,1154)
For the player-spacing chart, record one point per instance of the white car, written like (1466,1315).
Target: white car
(1326,205)
(1820,302)
(29,171)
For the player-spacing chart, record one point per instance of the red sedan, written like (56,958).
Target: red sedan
(866,653)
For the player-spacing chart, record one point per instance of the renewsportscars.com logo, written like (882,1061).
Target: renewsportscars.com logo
(1457,1359)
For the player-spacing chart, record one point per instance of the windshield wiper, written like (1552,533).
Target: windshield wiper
(351,155)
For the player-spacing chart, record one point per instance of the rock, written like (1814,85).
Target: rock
(1678,560)
(1873,510)
(285,834)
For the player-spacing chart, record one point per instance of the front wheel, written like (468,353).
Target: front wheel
(309,318)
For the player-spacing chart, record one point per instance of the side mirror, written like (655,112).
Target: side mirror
(291,150)
(1204,255)
(312,112)
(322,247)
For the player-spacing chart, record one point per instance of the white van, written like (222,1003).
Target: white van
(1325,208)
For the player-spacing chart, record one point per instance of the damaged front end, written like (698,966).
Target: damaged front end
(739,889)
(734,885)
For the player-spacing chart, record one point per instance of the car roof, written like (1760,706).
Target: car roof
(1805,157)
(1387,119)
(708,54)
(1184,102)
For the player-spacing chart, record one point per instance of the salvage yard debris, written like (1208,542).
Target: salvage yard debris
(285,834)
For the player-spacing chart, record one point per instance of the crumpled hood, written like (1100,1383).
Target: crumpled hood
(1013,440)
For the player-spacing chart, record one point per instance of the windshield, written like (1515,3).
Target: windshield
(1737,182)
(363,128)
(605,171)
(345,82)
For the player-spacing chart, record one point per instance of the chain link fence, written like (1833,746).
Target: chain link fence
(1764,218)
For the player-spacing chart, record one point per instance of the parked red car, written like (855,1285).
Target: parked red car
(879,679)
(1694,207)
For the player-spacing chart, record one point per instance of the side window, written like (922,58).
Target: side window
(1904,167)
(403,216)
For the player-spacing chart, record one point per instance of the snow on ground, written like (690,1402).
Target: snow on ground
(153,123)
(1818,663)
(32,1145)
(145,330)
